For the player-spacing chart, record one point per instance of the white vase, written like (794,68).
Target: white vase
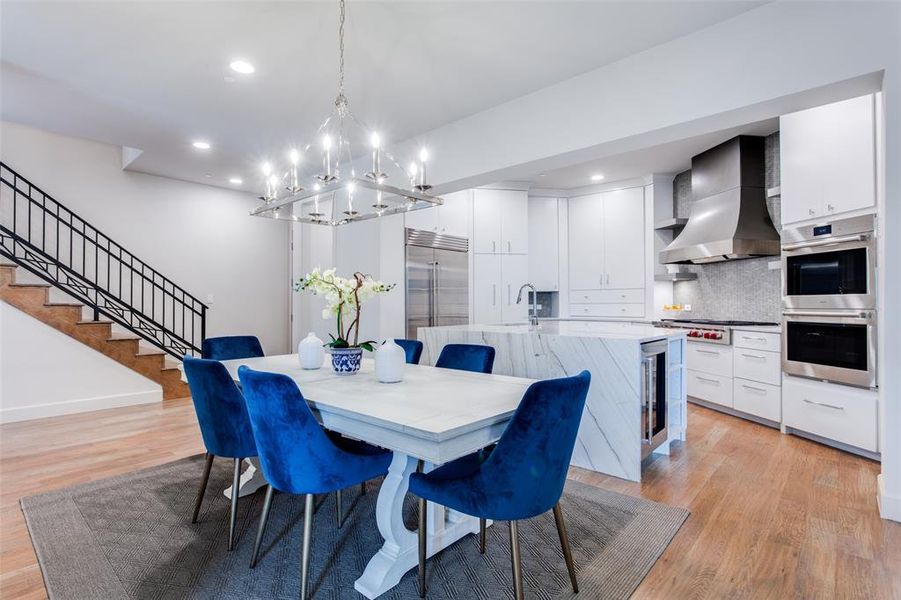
(310,352)
(390,360)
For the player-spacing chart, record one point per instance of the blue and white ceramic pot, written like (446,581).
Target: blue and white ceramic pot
(346,361)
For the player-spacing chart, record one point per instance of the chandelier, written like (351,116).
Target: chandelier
(345,174)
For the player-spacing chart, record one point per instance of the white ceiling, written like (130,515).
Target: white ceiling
(151,75)
(674,157)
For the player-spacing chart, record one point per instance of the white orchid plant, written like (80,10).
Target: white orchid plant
(344,298)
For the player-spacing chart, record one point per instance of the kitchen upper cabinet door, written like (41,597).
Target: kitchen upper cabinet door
(486,289)
(454,215)
(586,242)
(487,209)
(849,154)
(425,219)
(543,244)
(800,141)
(515,222)
(624,239)
(515,272)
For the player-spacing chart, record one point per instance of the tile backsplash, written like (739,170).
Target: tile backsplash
(745,290)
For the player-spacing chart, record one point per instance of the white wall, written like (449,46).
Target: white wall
(199,236)
(45,373)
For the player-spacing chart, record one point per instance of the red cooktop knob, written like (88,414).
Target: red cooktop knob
(707,335)
(717,336)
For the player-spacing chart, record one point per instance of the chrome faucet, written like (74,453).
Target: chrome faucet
(533,318)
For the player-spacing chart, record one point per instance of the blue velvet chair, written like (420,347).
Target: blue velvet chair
(297,455)
(412,348)
(231,346)
(522,477)
(466,357)
(224,425)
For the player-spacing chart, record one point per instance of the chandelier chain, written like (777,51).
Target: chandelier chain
(341,50)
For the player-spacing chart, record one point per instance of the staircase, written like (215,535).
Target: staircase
(136,316)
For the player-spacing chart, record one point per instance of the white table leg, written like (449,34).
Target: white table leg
(251,480)
(400,551)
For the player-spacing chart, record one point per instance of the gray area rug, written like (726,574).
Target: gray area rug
(131,537)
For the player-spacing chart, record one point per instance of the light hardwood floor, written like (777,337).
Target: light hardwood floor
(772,516)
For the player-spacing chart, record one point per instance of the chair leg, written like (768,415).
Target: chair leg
(338,508)
(564,543)
(515,558)
(423,533)
(205,478)
(305,552)
(481,536)
(236,481)
(363,488)
(264,518)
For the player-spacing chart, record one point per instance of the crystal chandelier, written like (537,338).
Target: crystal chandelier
(330,181)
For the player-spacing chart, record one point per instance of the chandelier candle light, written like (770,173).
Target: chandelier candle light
(339,189)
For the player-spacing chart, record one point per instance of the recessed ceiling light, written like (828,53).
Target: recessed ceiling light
(208,175)
(597,177)
(542,174)
(200,145)
(236,180)
(242,66)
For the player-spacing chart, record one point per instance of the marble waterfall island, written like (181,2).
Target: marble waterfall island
(610,436)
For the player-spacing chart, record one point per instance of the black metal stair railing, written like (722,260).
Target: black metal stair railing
(46,238)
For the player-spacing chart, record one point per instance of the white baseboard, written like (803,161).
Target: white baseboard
(69,407)
(889,506)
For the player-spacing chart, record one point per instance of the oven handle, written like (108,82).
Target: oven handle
(860,237)
(850,315)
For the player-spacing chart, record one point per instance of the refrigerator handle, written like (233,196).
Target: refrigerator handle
(437,287)
(493,294)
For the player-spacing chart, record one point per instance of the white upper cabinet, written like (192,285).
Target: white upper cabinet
(500,222)
(544,253)
(514,273)
(586,244)
(606,240)
(828,159)
(487,292)
(624,239)
(451,218)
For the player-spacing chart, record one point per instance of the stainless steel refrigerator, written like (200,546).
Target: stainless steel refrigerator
(437,280)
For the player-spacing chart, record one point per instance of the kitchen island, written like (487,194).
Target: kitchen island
(611,434)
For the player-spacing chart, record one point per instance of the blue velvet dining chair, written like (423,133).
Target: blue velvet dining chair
(297,455)
(466,357)
(522,477)
(412,348)
(224,426)
(231,346)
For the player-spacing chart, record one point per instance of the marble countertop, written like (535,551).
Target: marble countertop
(623,330)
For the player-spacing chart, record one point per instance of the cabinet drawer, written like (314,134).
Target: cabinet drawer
(606,310)
(755,340)
(757,365)
(608,296)
(709,358)
(837,412)
(712,388)
(759,399)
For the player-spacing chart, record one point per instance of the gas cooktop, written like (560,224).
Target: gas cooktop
(709,330)
(716,322)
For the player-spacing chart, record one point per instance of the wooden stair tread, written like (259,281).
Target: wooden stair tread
(78,304)
(116,337)
(149,352)
(29,285)
(93,322)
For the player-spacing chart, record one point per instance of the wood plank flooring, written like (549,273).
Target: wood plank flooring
(773,516)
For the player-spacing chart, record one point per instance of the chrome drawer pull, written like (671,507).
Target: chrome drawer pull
(824,404)
(751,339)
(707,351)
(751,387)
(754,356)
(707,380)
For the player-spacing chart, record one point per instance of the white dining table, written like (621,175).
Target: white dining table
(436,415)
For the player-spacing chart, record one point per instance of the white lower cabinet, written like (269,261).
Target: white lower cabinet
(514,273)
(757,365)
(710,387)
(606,310)
(710,358)
(837,412)
(496,281)
(758,399)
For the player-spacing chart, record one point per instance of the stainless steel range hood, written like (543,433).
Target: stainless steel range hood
(728,219)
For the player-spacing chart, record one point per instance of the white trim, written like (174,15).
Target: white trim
(889,506)
(69,407)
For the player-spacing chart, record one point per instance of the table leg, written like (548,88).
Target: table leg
(399,553)
(251,480)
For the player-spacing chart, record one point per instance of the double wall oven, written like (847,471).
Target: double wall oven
(829,301)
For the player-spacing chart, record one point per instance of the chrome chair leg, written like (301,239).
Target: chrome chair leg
(205,478)
(338,508)
(564,543)
(481,536)
(305,552)
(516,559)
(236,481)
(422,545)
(264,518)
